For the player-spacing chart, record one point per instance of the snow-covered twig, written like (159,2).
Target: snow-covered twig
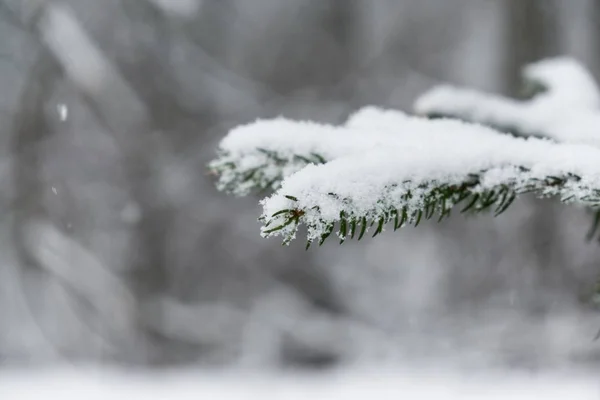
(565,106)
(258,156)
(429,168)
(385,166)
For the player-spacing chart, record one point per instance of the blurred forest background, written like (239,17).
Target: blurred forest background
(117,248)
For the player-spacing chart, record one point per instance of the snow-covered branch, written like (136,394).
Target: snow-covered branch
(258,156)
(385,166)
(429,168)
(565,106)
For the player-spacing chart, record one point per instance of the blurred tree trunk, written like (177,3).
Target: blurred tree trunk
(533,34)
(594,25)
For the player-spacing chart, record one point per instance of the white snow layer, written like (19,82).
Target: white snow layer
(279,147)
(569,111)
(567,81)
(426,154)
(286,137)
(382,160)
(380,385)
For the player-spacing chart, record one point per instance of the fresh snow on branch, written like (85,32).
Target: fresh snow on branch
(566,82)
(567,109)
(384,166)
(258,156)
(430,167)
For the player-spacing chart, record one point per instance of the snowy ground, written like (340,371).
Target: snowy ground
(399,384)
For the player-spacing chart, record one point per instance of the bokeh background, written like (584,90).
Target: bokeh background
(116,249)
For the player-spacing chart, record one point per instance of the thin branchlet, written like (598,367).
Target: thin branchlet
(401,207)
(236,176)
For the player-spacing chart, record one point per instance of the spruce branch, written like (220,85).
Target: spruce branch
(411,202)
(258,156)
(385,167)
(427,173)
(562,103)
(258,170)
